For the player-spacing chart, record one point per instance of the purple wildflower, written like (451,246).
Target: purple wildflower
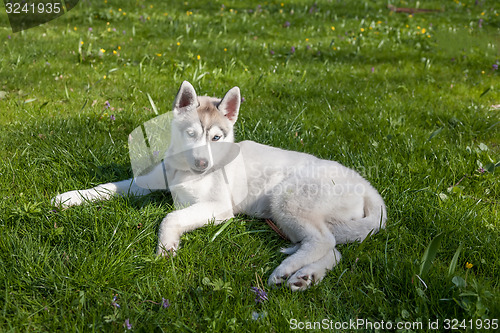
(124,32)
(165,303)
(242,99)
(127,324)
(9,37)
(90,29)
(373,69)
(286,24)
(116,305)
(106,105)
(480,24)
(312,9)
(495,67)
(260,295)
(292,50)
(481,170)
(271,52)
(308,46)
(112,117)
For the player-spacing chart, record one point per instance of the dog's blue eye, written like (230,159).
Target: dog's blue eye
(216,138)
(190,133)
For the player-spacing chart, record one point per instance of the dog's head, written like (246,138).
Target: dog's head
(200,124)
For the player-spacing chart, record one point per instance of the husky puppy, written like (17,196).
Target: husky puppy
(316,203)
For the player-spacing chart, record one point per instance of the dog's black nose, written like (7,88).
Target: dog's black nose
(201,163)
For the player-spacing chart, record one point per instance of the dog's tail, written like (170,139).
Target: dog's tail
(375,211)
(375,217)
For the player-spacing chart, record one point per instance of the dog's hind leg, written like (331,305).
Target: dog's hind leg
(311,250)
(314,272)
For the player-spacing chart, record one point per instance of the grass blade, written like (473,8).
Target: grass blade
(433,134)
(153,105)
(430,254)
(454,260)
(221,229)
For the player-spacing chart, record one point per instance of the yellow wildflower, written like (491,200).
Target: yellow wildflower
(468,265)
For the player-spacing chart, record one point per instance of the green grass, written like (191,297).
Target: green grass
(408,108)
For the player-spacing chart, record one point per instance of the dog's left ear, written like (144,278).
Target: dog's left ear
(230,104)
(186,98)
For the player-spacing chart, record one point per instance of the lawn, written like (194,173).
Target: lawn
(410,100)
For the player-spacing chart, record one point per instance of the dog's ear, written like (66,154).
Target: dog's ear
(186,97)
(230,104)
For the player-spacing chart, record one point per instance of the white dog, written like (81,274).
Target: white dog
(316,203)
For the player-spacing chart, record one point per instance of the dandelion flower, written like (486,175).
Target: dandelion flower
(198,57)
(468,265)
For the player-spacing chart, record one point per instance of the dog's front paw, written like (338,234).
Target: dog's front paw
(167,249)
(68,199)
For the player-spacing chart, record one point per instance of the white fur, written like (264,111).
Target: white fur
(317,203)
